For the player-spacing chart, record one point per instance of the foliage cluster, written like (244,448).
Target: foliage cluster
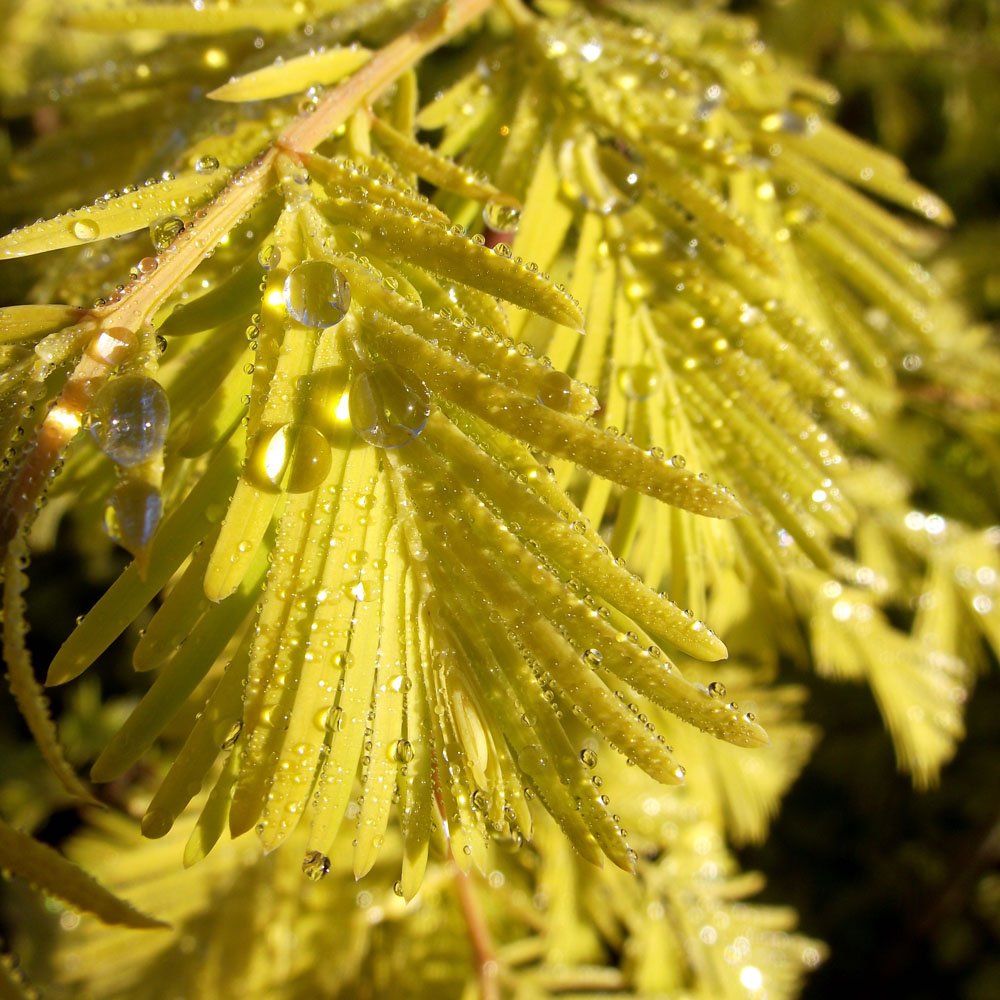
(407,354)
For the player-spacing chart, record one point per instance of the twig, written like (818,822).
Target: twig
(483,949)
(487,966)
(23,490)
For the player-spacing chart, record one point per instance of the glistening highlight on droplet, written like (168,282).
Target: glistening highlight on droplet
(133,513)
(389,405)
(290,458)
(164,231)
(316,294)
(129,419)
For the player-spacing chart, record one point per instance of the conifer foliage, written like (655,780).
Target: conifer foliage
(486,395)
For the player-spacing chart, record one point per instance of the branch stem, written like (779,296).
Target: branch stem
(140,301)
(483,950)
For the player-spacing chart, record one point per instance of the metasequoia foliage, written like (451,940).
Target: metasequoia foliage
(483,378)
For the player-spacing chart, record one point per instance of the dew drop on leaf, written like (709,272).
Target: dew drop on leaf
(315,866)
(593,657)
(85,230)
(113,346)
(290,458)
(717,690)
(269,257)
(556,390)
(132,514)
(389,405)
(402,751)
(589,757)
(129,419)
(206,164)
(316,294)
(623,170)
(164,231)
(501,222)
(500,217)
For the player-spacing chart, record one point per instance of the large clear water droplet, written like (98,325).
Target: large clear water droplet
(113,346)
(315,865)
(269,257)
(129,419)
(555,390)
(316,294)
(389,405)
(132,515)
(290,458)
(164,231)
(624,172)
(501,222)
(85,230)
(206,165)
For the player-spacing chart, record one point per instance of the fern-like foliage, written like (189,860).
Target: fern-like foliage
(412,439)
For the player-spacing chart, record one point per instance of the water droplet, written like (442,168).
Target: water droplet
(316,294)
(623,170)
(480,800)
(315,866)
(85,230)
(269,257)
(129,419)
(397,887)
(593,657)
(501,223)
(717,690)
(164,231)
(388,405)
(206,164)
(291,458)
(678,461)
(589,757)
(402,751)
(555,390)
(638,381)
(133,514)
(112,347)
(785,121)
